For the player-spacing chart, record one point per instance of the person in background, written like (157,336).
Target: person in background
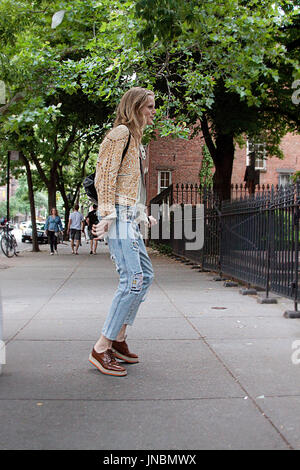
(53,226)
(91,220)
(74,228)
(84,230)
(2,222)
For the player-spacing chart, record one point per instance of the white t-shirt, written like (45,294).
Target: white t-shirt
(76,219)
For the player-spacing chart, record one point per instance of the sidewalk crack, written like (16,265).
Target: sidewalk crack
(220,360)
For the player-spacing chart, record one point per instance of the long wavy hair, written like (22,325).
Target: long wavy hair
(54,209)
(129,111)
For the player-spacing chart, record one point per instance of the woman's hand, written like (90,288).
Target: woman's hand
(152,220)
(101,229)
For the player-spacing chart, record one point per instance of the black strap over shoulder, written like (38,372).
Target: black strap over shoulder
(126,148)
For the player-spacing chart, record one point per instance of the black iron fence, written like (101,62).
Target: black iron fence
(194,193)
(253,238)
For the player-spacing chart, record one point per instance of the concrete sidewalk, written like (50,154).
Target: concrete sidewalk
(216,368)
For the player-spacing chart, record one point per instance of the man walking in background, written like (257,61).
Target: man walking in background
(74,228)
(91,220)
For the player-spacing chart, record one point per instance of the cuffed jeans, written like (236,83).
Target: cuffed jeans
(129,254)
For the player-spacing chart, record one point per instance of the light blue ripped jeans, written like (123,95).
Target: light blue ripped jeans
(128,251)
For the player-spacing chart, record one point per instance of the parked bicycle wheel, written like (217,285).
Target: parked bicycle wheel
(8,245)
(15,245)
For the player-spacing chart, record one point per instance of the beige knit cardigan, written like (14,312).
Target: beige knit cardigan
(117,183)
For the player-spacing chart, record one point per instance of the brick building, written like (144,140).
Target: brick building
(272,170)
(172,161)
(179,161)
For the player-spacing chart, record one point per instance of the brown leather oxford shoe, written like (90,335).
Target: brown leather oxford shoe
(121,351)
(106,363)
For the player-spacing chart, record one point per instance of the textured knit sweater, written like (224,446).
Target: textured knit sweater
(117,183)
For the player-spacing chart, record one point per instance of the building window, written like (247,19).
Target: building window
(284,178)
(259,149)
(164,180)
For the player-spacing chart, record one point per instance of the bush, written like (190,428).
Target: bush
(163,249)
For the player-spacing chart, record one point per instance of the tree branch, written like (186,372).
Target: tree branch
(207,137)
(39,169)
(18,97)
(70,140)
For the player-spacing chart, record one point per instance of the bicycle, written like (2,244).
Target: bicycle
(8,241)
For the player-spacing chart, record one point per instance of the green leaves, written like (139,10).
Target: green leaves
(238,46)
(233,62)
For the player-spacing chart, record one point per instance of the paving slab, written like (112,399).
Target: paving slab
(263,366)
(89,328)
(208,378)
(13,327)
(26,289)
(148,425)
(61,370)
(21,275)
(219,308)
(198,302)
(97,309)
(192,295)
(285,415)
(246,327)
(16,310)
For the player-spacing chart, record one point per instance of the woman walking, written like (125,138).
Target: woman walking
(53,226)
(120,187)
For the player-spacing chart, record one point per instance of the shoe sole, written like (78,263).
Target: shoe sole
(98,365)
(130,360)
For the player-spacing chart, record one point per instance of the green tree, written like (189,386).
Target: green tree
(227,68)
(63,84)
(206,170)
(19,203)
(47,115)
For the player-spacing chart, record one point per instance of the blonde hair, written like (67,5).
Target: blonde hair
(128,111)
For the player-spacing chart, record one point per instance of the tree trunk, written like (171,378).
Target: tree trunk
(35,245)
(77,197)
(51,197)
(67,204)
(223,161)
(221,150)
(67,215)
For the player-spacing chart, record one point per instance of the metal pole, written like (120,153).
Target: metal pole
(268,255)
(7,186)
(297,215)
(296,312)
(2,344)
(270,248)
